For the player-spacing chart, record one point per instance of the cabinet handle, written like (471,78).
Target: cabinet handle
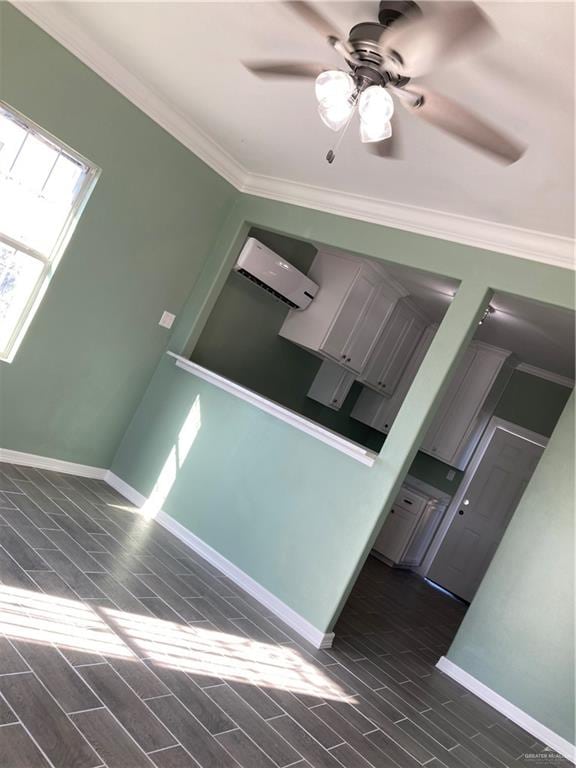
(386,426)
(343,357)
(379,383)
(392,511)
(348,359)
(335,400)
(407,501)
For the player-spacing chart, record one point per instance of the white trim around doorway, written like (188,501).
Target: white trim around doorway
(494,424)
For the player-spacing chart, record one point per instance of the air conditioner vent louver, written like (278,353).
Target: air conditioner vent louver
(267,288)
(275,275)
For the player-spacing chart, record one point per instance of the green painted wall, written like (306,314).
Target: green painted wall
(532,402)
(292,512)
(518,634)
(138,249)
(275,482)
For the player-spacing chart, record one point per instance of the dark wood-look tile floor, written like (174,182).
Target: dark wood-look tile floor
(120,647)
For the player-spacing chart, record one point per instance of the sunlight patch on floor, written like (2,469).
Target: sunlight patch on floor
(230,657)
(69,624)
(33,616)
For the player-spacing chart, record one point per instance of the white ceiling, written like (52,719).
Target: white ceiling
(190,54)
(539,334)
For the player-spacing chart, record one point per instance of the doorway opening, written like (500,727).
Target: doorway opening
(445,526)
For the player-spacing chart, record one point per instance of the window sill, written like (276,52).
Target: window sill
(355,451)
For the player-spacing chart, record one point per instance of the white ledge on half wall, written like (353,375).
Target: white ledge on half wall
(515,241)
(355,451)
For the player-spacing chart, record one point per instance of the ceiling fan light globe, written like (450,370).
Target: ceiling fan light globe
(335,115)
(334,86)
(375,104)
(374,130)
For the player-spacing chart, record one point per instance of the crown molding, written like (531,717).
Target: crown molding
(479,233)
(533,370)
(515,241)
(53,20)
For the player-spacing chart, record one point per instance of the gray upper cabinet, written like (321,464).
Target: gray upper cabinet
(465,409)
(380,411)
(394,348)
(348,313)
(468,404)
(331,385)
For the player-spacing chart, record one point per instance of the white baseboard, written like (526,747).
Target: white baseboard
(289,616)
(299,624)
(56,465)
(509,710)
(126,490)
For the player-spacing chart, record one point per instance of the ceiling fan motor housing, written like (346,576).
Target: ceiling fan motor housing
(364,40)
(392,10)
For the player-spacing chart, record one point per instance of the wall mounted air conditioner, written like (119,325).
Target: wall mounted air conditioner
(271,272)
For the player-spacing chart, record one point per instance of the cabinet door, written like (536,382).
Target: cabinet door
(433,439)
(462,406)
(391,405)
(380,411)
(396,532)
(331,385)
(394,349)
(349,318)
(368,406)
(369,329)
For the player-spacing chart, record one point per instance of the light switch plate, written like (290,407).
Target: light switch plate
(450,475)
(167,319)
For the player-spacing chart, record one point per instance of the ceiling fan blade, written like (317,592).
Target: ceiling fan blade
(285,68)
(389,149)
(313,18)
(459,121)
(414,46)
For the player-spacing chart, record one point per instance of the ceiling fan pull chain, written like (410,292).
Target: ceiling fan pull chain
(331,154)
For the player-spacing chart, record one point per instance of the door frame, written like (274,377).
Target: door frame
(494,424)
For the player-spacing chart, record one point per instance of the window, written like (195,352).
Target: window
(43,188)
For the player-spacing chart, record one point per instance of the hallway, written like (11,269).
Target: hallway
(120,647)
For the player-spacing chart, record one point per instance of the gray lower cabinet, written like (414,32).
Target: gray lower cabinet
(408,530)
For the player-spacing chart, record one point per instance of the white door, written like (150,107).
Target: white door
(484,513)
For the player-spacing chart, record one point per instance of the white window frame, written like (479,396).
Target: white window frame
(49,261)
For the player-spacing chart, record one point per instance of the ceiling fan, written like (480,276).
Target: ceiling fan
(382,59)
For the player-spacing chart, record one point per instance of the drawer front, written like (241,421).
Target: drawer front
(410,501)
